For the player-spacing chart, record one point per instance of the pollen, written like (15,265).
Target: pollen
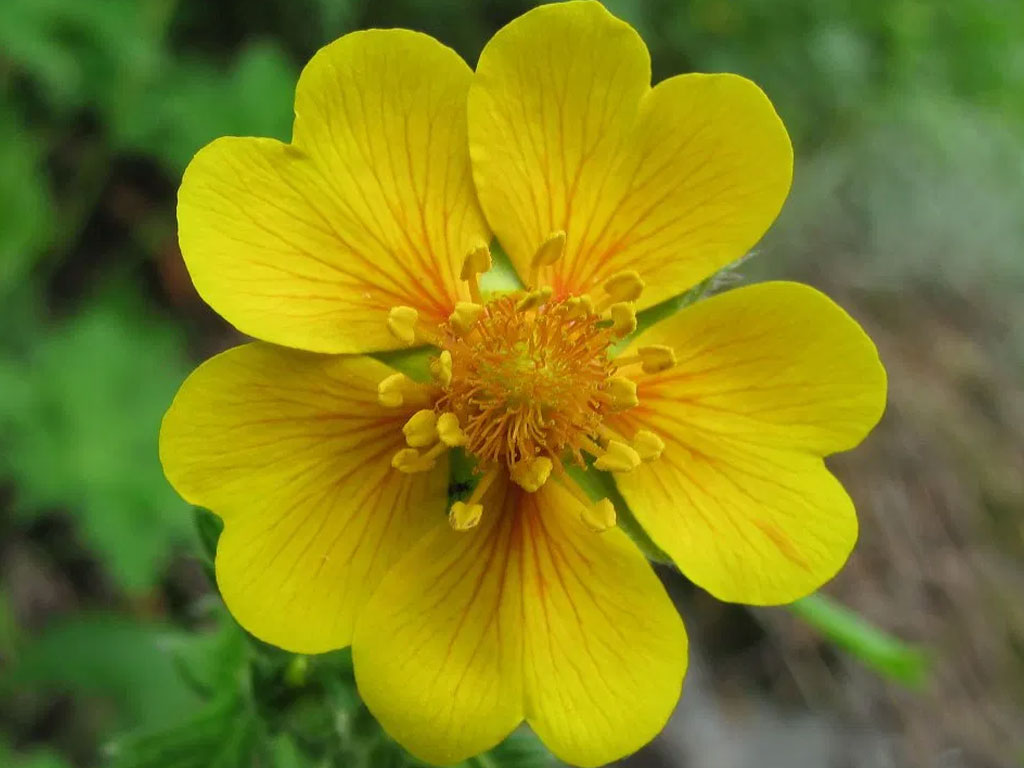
(449,431)
(532,473)
(599,516)
(530,382)
(524,383)
(421,429)
(402,323)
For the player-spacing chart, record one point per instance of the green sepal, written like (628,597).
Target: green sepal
(502,275)
(521,749)
(462,475)
(648,317)
(208,530)
(414,362)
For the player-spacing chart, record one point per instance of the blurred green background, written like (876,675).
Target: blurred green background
(907,206)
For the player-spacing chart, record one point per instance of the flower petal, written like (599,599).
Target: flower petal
(567,134)
(770,378)
(309,244)
(606,650)
(529,615)
(292,450)
(438,648)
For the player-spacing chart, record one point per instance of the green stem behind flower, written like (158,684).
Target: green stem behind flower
(889,656)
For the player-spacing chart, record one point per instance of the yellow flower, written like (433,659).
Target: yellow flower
(522,601)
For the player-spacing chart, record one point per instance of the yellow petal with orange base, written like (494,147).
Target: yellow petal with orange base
(606,650)
(769,379)
(529,615)
(293,451)
(371,206)
(566,134)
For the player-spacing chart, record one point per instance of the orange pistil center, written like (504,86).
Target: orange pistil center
(528,382)
(525,383)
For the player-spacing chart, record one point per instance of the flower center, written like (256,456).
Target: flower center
(525,383)
(529,381)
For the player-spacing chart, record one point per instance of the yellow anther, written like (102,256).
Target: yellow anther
(449,431)
(441,367)
(534,299)
(599,516)
(624,286)
(462,516)
(408,460)
(402,323)
(648,445)
(550,250)
(622,392)
(618,457)
(398,389)
(580,306)
(623,318)
(465,314)
(421,429)
(531,474)
(654,358)
(391,391)
(596,515)
(477,261)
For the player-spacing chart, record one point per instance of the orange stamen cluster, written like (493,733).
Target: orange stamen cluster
(528,383)
(524,383)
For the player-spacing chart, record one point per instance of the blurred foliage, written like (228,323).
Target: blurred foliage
(828,64)
(37,759)
(25,213)
(127,662)
(907,116)
(77,430)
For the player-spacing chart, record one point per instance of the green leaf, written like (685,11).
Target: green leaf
(101,52)
(79,422)
(223,734)
(26,214)
(35,759)
(194,102)
(887,655)
(128,663)
(213,662)
(9,630)
(286,754)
